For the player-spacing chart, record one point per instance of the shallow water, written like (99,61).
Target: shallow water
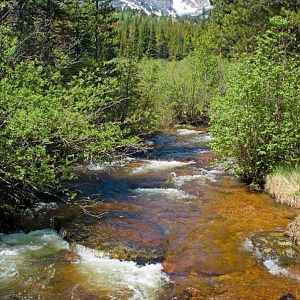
(171,225)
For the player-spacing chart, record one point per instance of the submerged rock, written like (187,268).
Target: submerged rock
(275,252)
(140,254)
(129,243)
(276,247)
(125,250)
(287,297)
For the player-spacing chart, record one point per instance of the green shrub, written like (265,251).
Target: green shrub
(183,90)
(257,121)
(47,127)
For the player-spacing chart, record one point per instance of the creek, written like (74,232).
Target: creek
(169,223)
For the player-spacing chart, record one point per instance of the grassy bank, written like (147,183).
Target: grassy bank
(284,185)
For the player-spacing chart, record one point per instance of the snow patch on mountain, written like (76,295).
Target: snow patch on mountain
(183,8)
(166,7)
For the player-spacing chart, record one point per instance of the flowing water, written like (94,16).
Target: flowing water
(167,224)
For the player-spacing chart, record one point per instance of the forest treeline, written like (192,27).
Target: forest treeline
(141,35)
(81,82)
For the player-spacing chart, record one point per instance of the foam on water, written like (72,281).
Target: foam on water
(160,139)
(149,143)
(29,262)
(144,282)
(248,245)
(44,206)
(158,193)
(20,250)
(181,180)
(204,175)
(186,131)
(100,166)
(206,137)
(156,165)
(8,268)
(274,268)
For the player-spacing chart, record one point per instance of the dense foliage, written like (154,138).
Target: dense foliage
(80,82)
(257,120)
(48,126)
(62,95)
(183,90)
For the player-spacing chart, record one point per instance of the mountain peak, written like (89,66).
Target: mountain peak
(166,7)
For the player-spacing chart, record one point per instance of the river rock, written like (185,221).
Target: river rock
(287,297)
(275,246)
(120,238)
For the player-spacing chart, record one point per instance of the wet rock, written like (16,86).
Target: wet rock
(275,246)
(186,295)
(71,256)
(287,297)
(124,250)
(121,238)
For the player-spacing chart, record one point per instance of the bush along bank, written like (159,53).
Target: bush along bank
(256,121)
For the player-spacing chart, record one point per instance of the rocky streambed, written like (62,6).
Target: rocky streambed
(166,224)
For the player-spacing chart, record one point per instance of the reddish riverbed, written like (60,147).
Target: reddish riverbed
(171,225)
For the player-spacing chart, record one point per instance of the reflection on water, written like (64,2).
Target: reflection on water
(174,226)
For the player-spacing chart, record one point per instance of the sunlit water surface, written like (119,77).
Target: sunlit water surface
(172,225)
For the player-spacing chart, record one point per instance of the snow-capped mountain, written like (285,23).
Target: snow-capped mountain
(166,7)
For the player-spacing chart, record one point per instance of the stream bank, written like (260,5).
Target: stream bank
(284,187)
